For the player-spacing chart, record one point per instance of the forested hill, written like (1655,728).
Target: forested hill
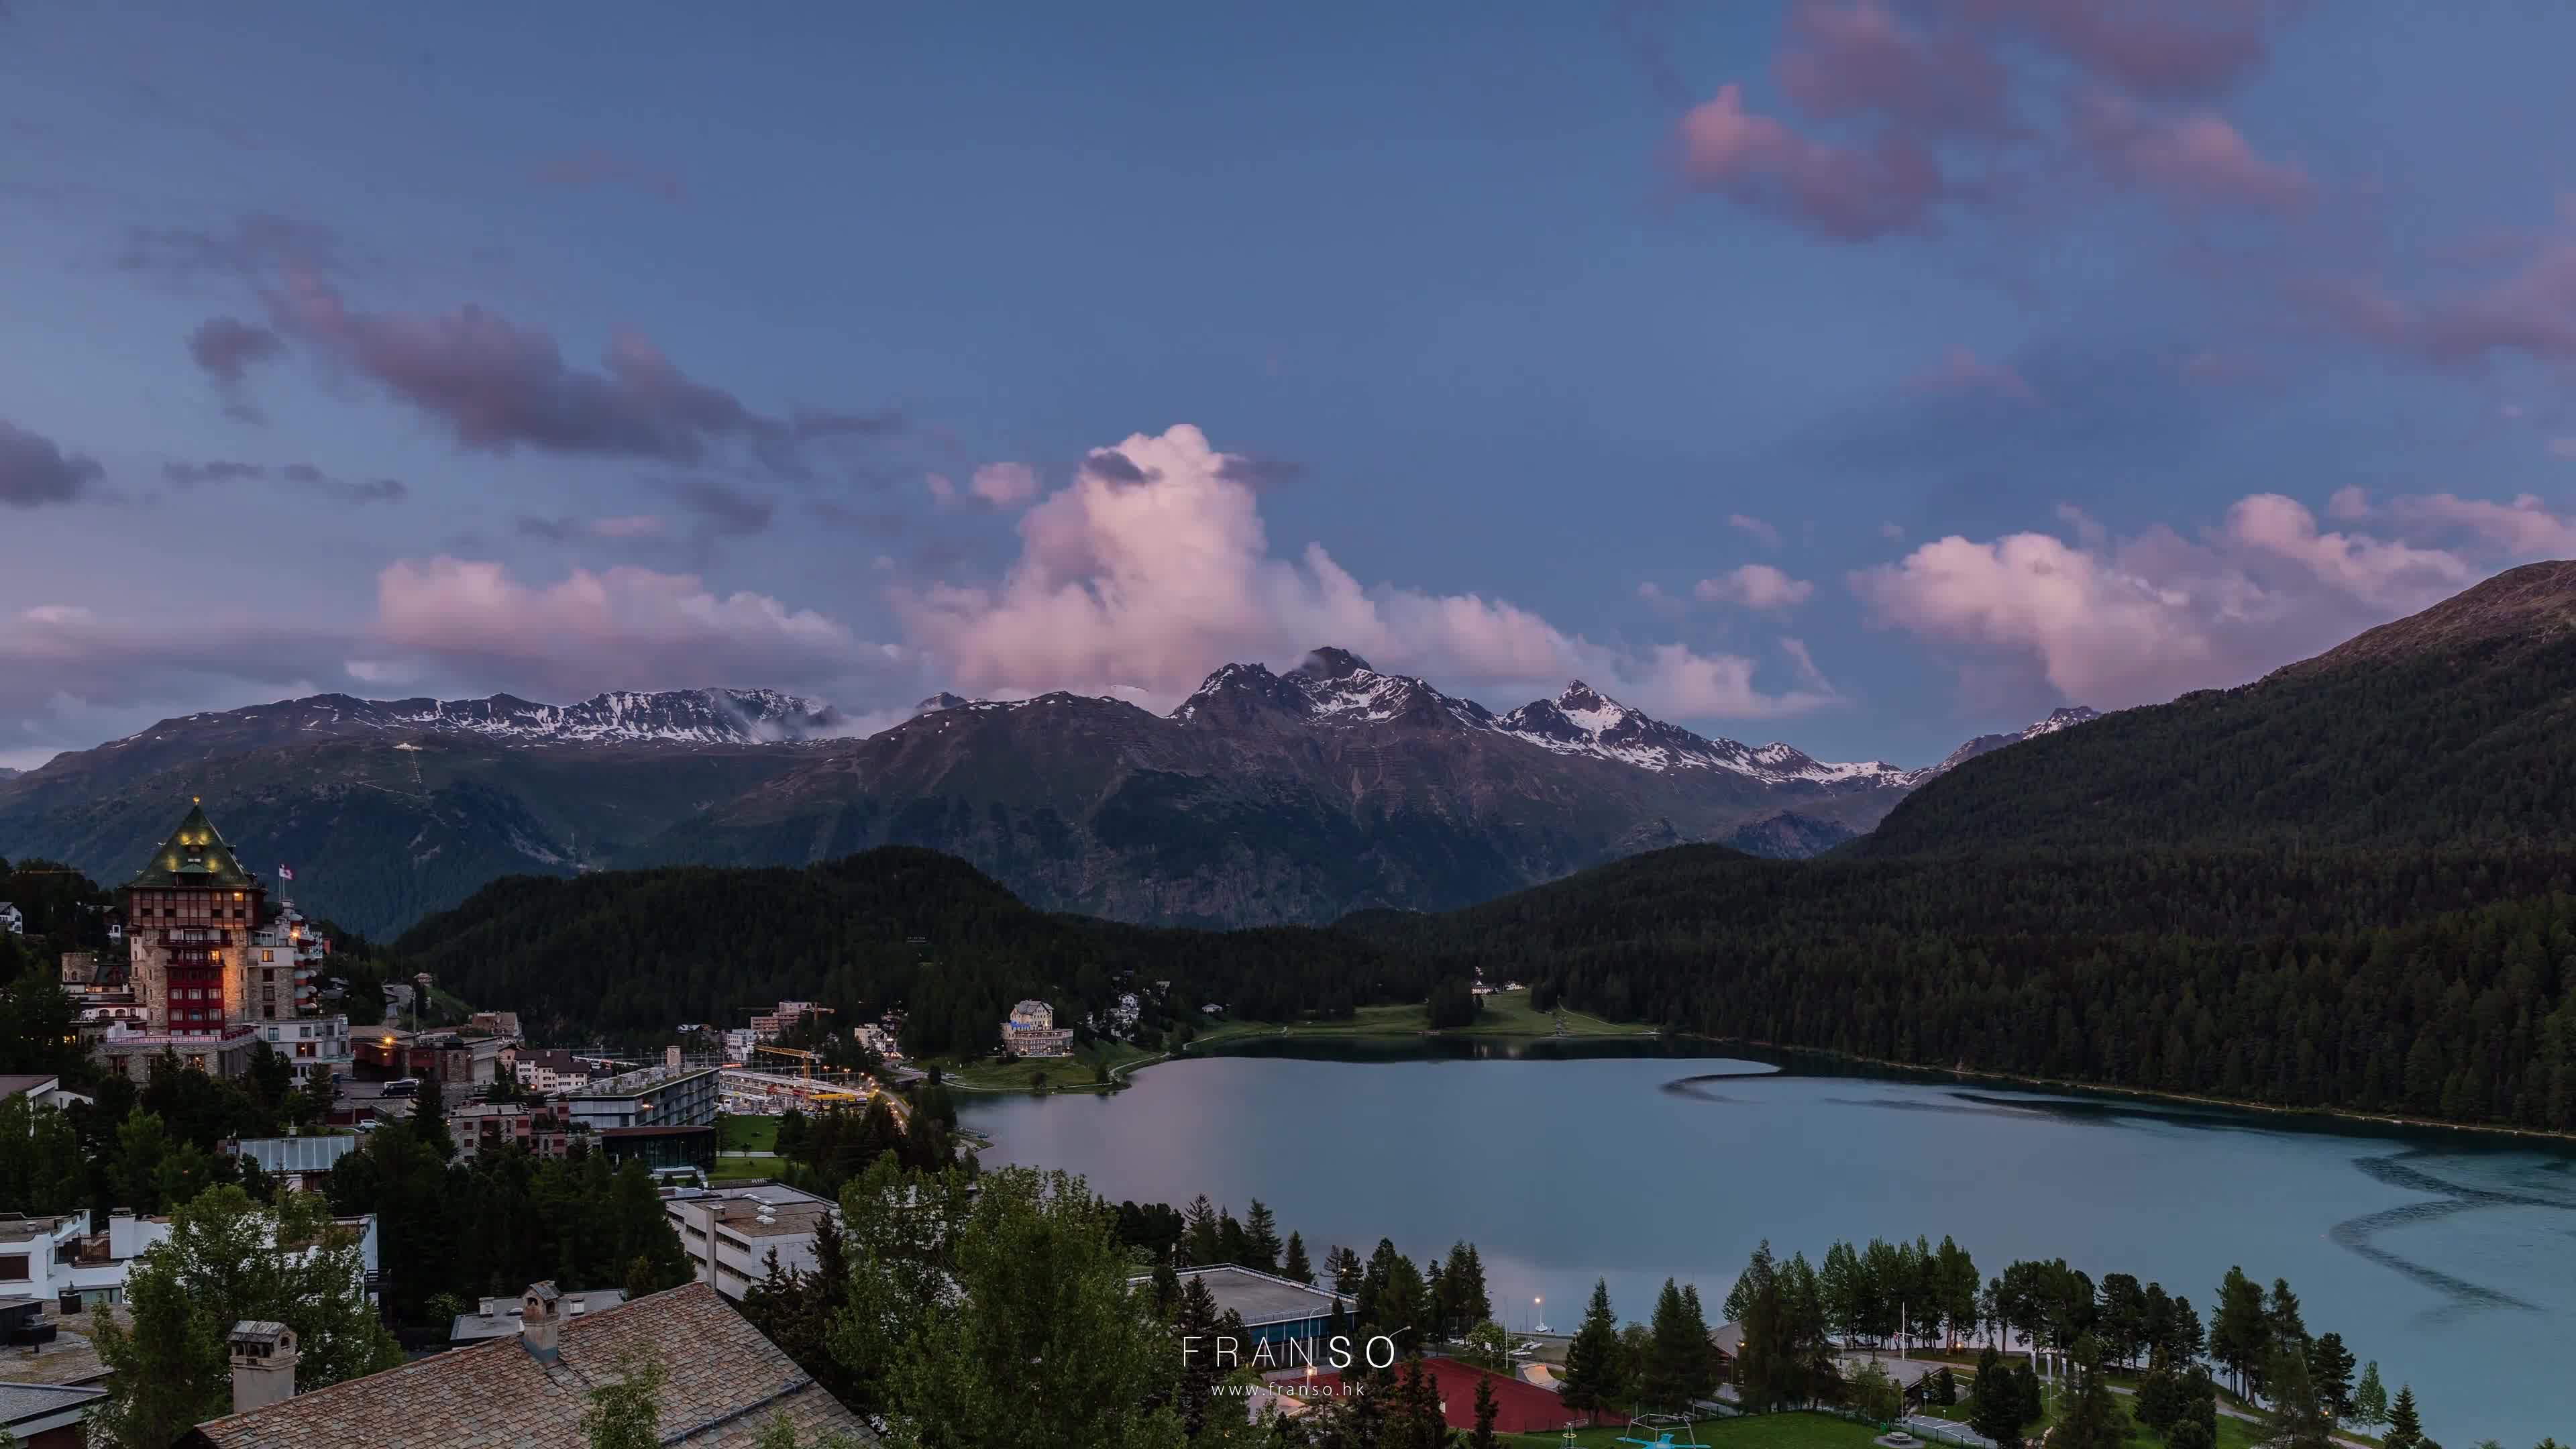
(2444,729)
(637,951)
(2428,984)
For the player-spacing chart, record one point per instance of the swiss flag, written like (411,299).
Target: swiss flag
(284,874)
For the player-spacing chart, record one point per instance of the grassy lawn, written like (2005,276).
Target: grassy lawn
(744,1169)
(748,1132)
(1061,1074)
(1754,1431)
(1506,1014)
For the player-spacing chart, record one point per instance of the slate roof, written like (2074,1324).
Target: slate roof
(193,856)
(725,1384)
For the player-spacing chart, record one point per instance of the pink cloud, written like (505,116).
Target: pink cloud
(2121,621)
(2375,570)
(1754,586)
(1961,370)
(2192,161)
(1918,108)
(1153,566)
(1004,485)
(2529,310)
(1755,527)
(2171,48)
(621,628)
(1851,193)
(1860,59)
(2524,528)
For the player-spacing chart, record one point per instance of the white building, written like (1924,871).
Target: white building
(547,1073)
(50,1258)
(730,1232)
(1030,1031)
(12,919)
(316,1045)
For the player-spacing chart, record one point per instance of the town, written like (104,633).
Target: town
(234,1096)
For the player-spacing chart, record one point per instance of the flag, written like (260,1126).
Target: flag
(284,874)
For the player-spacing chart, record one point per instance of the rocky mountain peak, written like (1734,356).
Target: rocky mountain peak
(1333,662)
(942,700)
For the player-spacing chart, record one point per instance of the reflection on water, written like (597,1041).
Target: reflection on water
(2444,1256)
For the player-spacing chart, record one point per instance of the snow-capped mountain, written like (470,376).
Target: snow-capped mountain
(2058,719)
(671,716)
(1337,687)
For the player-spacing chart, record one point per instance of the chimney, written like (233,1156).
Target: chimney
(671,1055)
(540,1320)
(263,1364)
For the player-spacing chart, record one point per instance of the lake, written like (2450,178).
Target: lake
(2448,1257)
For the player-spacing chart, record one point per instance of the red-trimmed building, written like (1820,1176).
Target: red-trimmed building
(1519,1408)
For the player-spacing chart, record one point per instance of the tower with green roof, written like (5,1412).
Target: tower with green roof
(189,914)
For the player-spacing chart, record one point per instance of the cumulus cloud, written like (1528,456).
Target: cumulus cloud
(35,471)
(1754,586)
(1754,526)
(1962,370)
(621,628)
(1153,566)
(2120,621)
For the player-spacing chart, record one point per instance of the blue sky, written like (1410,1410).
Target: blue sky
(1865,376)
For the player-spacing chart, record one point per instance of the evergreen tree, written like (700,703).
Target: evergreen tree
(2330,1369)
(2370,1398)
(1482,1437)
(1592,1359)
(2405,1430)
(1294,1266)
(2091,1420)
(1994,1404)
(1261,1239)
(429,1119)
(2297,1419)
(1677,1363)
(1195,1330)
(2026,1393)
(1199,1242)
(2240,1336)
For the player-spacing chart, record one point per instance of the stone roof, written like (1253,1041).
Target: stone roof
(194,856)
(725,1383)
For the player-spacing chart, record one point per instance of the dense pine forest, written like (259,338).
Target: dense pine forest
(2439,731)
(2438,986)
(638,951)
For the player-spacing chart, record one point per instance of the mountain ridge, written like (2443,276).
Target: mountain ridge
(1262,797)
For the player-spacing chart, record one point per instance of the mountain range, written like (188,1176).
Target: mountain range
(1264,797)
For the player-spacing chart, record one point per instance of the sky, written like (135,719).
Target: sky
(1863,374)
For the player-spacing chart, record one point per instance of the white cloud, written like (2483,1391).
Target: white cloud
(2114,622)
(1756,527)
(1139,578)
